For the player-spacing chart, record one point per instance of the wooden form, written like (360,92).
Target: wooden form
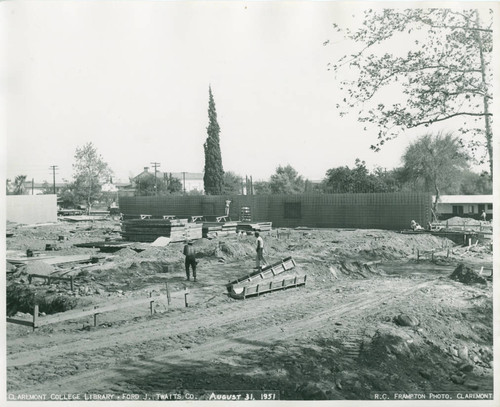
(266,287)
(459,237)
(52,260)
(107,246)
(94,311)
(48,279)
(267,271)
(463,227)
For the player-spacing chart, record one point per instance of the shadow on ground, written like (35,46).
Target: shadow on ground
(314,370)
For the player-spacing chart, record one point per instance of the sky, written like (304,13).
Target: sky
(132,78)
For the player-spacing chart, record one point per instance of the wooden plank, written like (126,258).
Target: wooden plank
(77,258)
(65,316)
(20,321)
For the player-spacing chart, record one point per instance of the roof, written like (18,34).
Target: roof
(465,199)
(28,184)
(188,176)
(192,176)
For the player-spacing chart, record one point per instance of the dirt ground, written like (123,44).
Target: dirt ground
(371,318)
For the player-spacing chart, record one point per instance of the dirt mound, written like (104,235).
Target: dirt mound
(457,220)
(22,298)
(39,267)
(234,249)
(354,270)
(467,275)
(126,253)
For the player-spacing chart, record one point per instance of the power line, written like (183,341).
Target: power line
(54,167)
(156,165)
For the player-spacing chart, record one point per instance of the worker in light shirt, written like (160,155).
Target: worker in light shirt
(260,251)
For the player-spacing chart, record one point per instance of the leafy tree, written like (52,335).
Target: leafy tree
(347,180)
(385,180)
(260,188)
(19,185)
(442,73)
(8,186)
(67,197)
(146,185)
(174,185)
(90,173)
(475,184)
(286,180)
(47,188)
(194,192)
(232,183)
(213,178)
(312,187)
(435,161)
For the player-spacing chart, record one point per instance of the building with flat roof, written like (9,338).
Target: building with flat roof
(465,205)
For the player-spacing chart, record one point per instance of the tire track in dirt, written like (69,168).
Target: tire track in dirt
(158,328)
(100,380)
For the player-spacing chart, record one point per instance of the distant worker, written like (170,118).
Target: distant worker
(415,226)
(190,253)
(228,202)
(483,216)
(260,251)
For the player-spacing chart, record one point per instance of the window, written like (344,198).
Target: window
(293,210)
(490,206)
(458,210)
(471,208)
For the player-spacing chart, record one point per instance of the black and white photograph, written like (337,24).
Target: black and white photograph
(249,201)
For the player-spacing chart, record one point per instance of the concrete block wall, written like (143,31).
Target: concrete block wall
(377,210)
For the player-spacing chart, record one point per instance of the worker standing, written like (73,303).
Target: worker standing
(260,251)
(483,216)
(190,254)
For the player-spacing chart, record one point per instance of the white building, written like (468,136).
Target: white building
(191,181)
(465,205)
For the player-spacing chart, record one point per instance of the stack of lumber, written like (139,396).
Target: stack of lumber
(218,229)
(193,231)
(210,229)
(148,230)
(254,226)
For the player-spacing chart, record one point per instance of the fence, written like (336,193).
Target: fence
(37,322)
(372,210)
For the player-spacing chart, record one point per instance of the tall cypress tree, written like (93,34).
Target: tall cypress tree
(214,173)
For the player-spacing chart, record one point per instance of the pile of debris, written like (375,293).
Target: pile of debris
(467,275)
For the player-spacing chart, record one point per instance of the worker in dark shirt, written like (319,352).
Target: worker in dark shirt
(190,253)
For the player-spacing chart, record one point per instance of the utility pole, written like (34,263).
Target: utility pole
(156,165)
(54,167)
(184,181)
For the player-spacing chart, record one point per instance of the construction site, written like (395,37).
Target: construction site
(350,304)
